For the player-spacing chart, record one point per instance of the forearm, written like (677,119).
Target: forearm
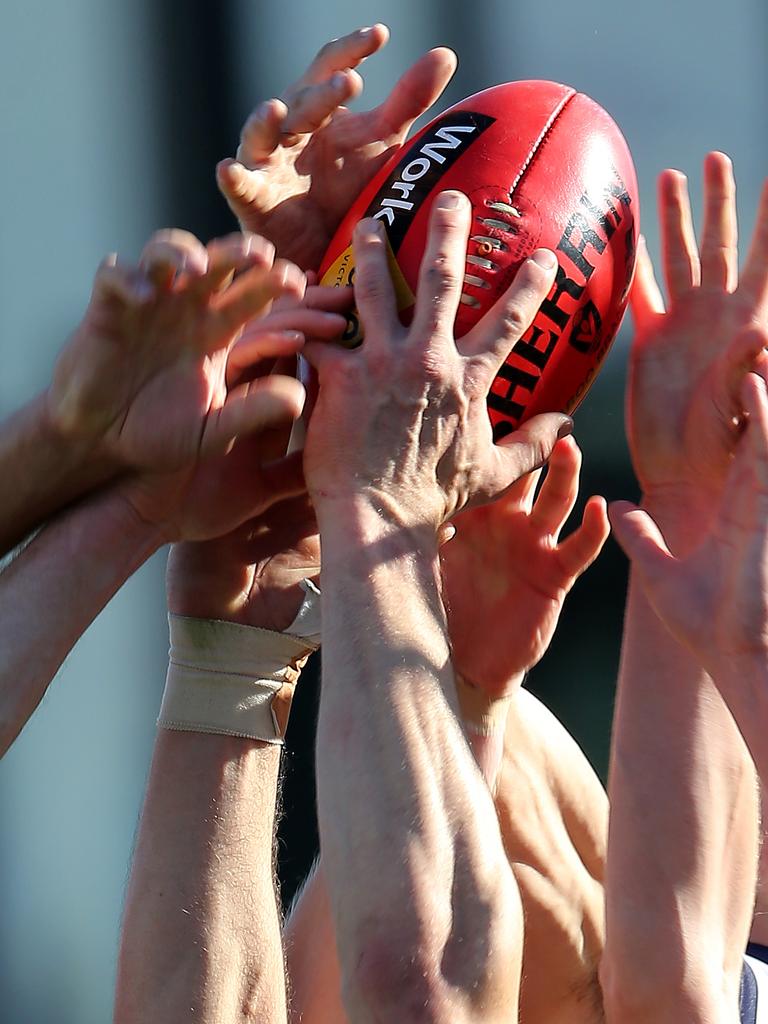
(52,592)
(743,684)
(201,933)
(425,906)
(48,471)
(683,836)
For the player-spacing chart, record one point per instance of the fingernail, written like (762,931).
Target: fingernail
(565,429)
(365,31)
(338,80)
(450,200)
(263,109)
(544,258)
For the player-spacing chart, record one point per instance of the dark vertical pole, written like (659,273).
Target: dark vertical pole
(197,123)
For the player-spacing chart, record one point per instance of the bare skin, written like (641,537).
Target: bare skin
(201,927)
(143,373)
(550,804)
(303,157)
(683,835)
(395,476)
(506,576)
(185,474)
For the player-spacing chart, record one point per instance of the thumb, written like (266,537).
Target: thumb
(526,449)
(645,298)
(640,538)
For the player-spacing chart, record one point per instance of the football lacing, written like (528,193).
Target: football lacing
(505,208)
(486,245)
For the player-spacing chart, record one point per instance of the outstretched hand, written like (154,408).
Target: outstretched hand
(687,363)
(715,599)
(303,158)
(146,378)
(506,573)
(402,422)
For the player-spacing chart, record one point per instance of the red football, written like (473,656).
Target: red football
(543,165)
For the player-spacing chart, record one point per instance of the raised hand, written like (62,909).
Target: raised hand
(715,600)
(402,421)
(687,363)
(145,378)
(506,573)
(303,158)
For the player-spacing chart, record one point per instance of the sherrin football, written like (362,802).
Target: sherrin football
(543,165)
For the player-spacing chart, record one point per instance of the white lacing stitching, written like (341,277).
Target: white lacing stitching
(487,244)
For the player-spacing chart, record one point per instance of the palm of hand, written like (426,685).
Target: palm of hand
(687,364)
(715,598)
(681,407)
(504,588)
(506,573)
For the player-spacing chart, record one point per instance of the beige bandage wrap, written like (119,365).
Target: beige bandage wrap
(236,680)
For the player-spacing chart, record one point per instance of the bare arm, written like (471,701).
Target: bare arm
(54,589)
(683,835)
(424,823)
(201,932)
(202,925)
(425,907)
(47,469)
(183,429)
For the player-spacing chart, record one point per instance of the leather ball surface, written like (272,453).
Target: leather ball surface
(543,165)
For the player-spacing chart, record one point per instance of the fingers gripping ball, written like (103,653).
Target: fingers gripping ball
(544,166)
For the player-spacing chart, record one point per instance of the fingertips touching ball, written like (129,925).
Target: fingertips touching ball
(544,166)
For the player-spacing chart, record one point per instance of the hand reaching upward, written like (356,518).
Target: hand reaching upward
(303,158)
(687,363)
(149,378)
(506,573)
(401,423)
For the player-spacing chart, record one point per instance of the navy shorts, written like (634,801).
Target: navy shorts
(754,985)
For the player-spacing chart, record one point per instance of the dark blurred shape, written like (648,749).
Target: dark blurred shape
(198,122)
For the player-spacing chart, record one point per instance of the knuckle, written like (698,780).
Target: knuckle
(514,320)
(369,288)
(440,276)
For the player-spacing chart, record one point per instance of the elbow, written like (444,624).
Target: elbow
(465,971)
(394,979)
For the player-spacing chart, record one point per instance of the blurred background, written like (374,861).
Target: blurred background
(114,115)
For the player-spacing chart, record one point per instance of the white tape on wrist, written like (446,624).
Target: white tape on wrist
(237,680)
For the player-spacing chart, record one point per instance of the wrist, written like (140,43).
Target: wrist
(366,520)
(743,683)
(77,454)
(130,531)
(211,580)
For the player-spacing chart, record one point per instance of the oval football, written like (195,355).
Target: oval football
(543,165)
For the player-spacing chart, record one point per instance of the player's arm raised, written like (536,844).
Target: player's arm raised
(143,364)
(201,927)
(683,831)
(197,481)
(425,907)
